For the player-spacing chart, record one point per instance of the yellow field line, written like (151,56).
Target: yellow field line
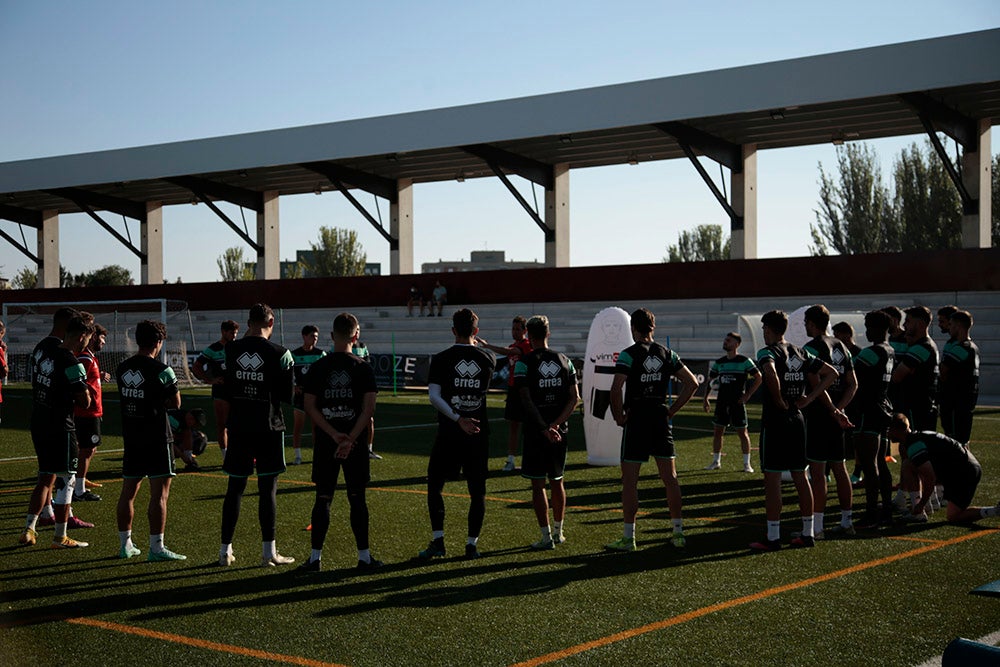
(201,643)
(736,602)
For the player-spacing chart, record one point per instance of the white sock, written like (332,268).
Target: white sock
(47,511)
(270,549)
(807,526)
(226,550)
(716,457)
(223,455)
(156,543)
(678,525)
(557,526)
(317,554)
(365,555)
(773,530)
(60,531)
(472,540)
(510,458)
(746,460)
(125,537)
(817,521)
(298,452)
(629,531)
(546,532)
(846,518)
(81,486)
(437,535)
(31,522)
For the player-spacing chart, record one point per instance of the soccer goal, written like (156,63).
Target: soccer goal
(29,322)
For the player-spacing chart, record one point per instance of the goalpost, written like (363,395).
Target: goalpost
(28,322)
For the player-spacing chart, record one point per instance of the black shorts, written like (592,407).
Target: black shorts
(513,409)
(88,432)
(730,413)
(143,458)
(922,417)
(542,458)
(783,443)
(57,451)
(956,421)
(824,439)
(326,466)
(248,451)
(873,422)
(647,433)
(961,488)
(456,453)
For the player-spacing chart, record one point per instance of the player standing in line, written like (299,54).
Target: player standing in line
(644,371)
(303,357)
(844,332)
(3,359)
(258,380)
(959,379)
(512,409)
(788,370)
(870,412)
(88,420)
(360,350)
(546,382)
(944,314)
(459,379)
(210,368)
(148,389)
(340,396)
(825,446)
(57,384)
(916,371)
(731,372)
(936,459)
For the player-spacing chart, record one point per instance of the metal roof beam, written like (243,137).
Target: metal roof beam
(17,244)
(532,170)
(376,185)
(22,216)
(970,204)
(235,195)
(86,199)
(952,122)
(724,152)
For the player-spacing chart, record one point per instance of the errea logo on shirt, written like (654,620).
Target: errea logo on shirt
(837,357)
(339,379)
(652,364)
(549,369)
(467,369)
(248,367)
(795,364)
(132,378)
(47,366)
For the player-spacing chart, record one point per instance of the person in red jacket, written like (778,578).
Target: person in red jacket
(88,420)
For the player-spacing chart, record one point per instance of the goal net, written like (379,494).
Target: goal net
(29,322)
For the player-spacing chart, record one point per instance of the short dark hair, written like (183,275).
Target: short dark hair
(86,317)
(344,325)
(149,332)
(843,328)
(894,313)
(465,322)
(310,329)
(818,315)
(100,330)
(62,316)
(735,336)
(962,317)
(922,313)
(643,320)
(260,313)
(776,321)
(878,322)
(77,325)
(947,311)
(538,327)
(520,320)
(899,420)
(230,325)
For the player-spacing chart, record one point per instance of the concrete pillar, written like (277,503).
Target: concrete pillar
(557,217)
(268,238)
(401,227)
(48,250)
(977,176)
(151,244)
(743,242)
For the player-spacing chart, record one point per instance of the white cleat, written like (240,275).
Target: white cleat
(276,559)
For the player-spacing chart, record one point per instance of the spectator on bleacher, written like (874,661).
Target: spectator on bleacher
(210,368)
(513,412)
(439,297)
(416,299)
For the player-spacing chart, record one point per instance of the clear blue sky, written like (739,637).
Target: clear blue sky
(90,76)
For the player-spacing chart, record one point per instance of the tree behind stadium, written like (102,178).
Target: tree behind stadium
(233,267)
(702,244)
(337,254)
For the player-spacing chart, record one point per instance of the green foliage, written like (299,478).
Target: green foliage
(107,276)
(26,278)
(233,267)
(702,244)
(337,254)
(927,207)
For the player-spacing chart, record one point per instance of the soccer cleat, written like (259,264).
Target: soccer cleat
(192,466)
(471,552)
(373,564)
(714,465)
(842,531)
(855,480)
(373,456)
(276,559)
(748,468)
(67,543)
(28,537)
(508,466)
(678,540)
(803,542)
(309,566)
(93,485)
(225,560)
(914,518)
(128,551)
(544,545)
(46,521)
(622,544)
(558,536)
(434,550)
(899,501)
(818,535)
(76,522)
(86,496)
(766,545)
(165,554)
(297,460)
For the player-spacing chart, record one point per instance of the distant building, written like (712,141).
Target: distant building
(480,260)
(4,284)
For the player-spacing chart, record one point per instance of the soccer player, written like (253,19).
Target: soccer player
(788,371)
(546,382)
(88,420)
(825,442)
(339,397)
(959,378)
(258,379)
(644,371)
(360,350)
(897,340)
(210,368)
(459,378)
(870,411)
(844,332)
(189,440)
(731,372)
(933,458)
(512,409)
(58,385)
(3,359)
(944,314)
(303,357)
(916,371)
(148,389)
